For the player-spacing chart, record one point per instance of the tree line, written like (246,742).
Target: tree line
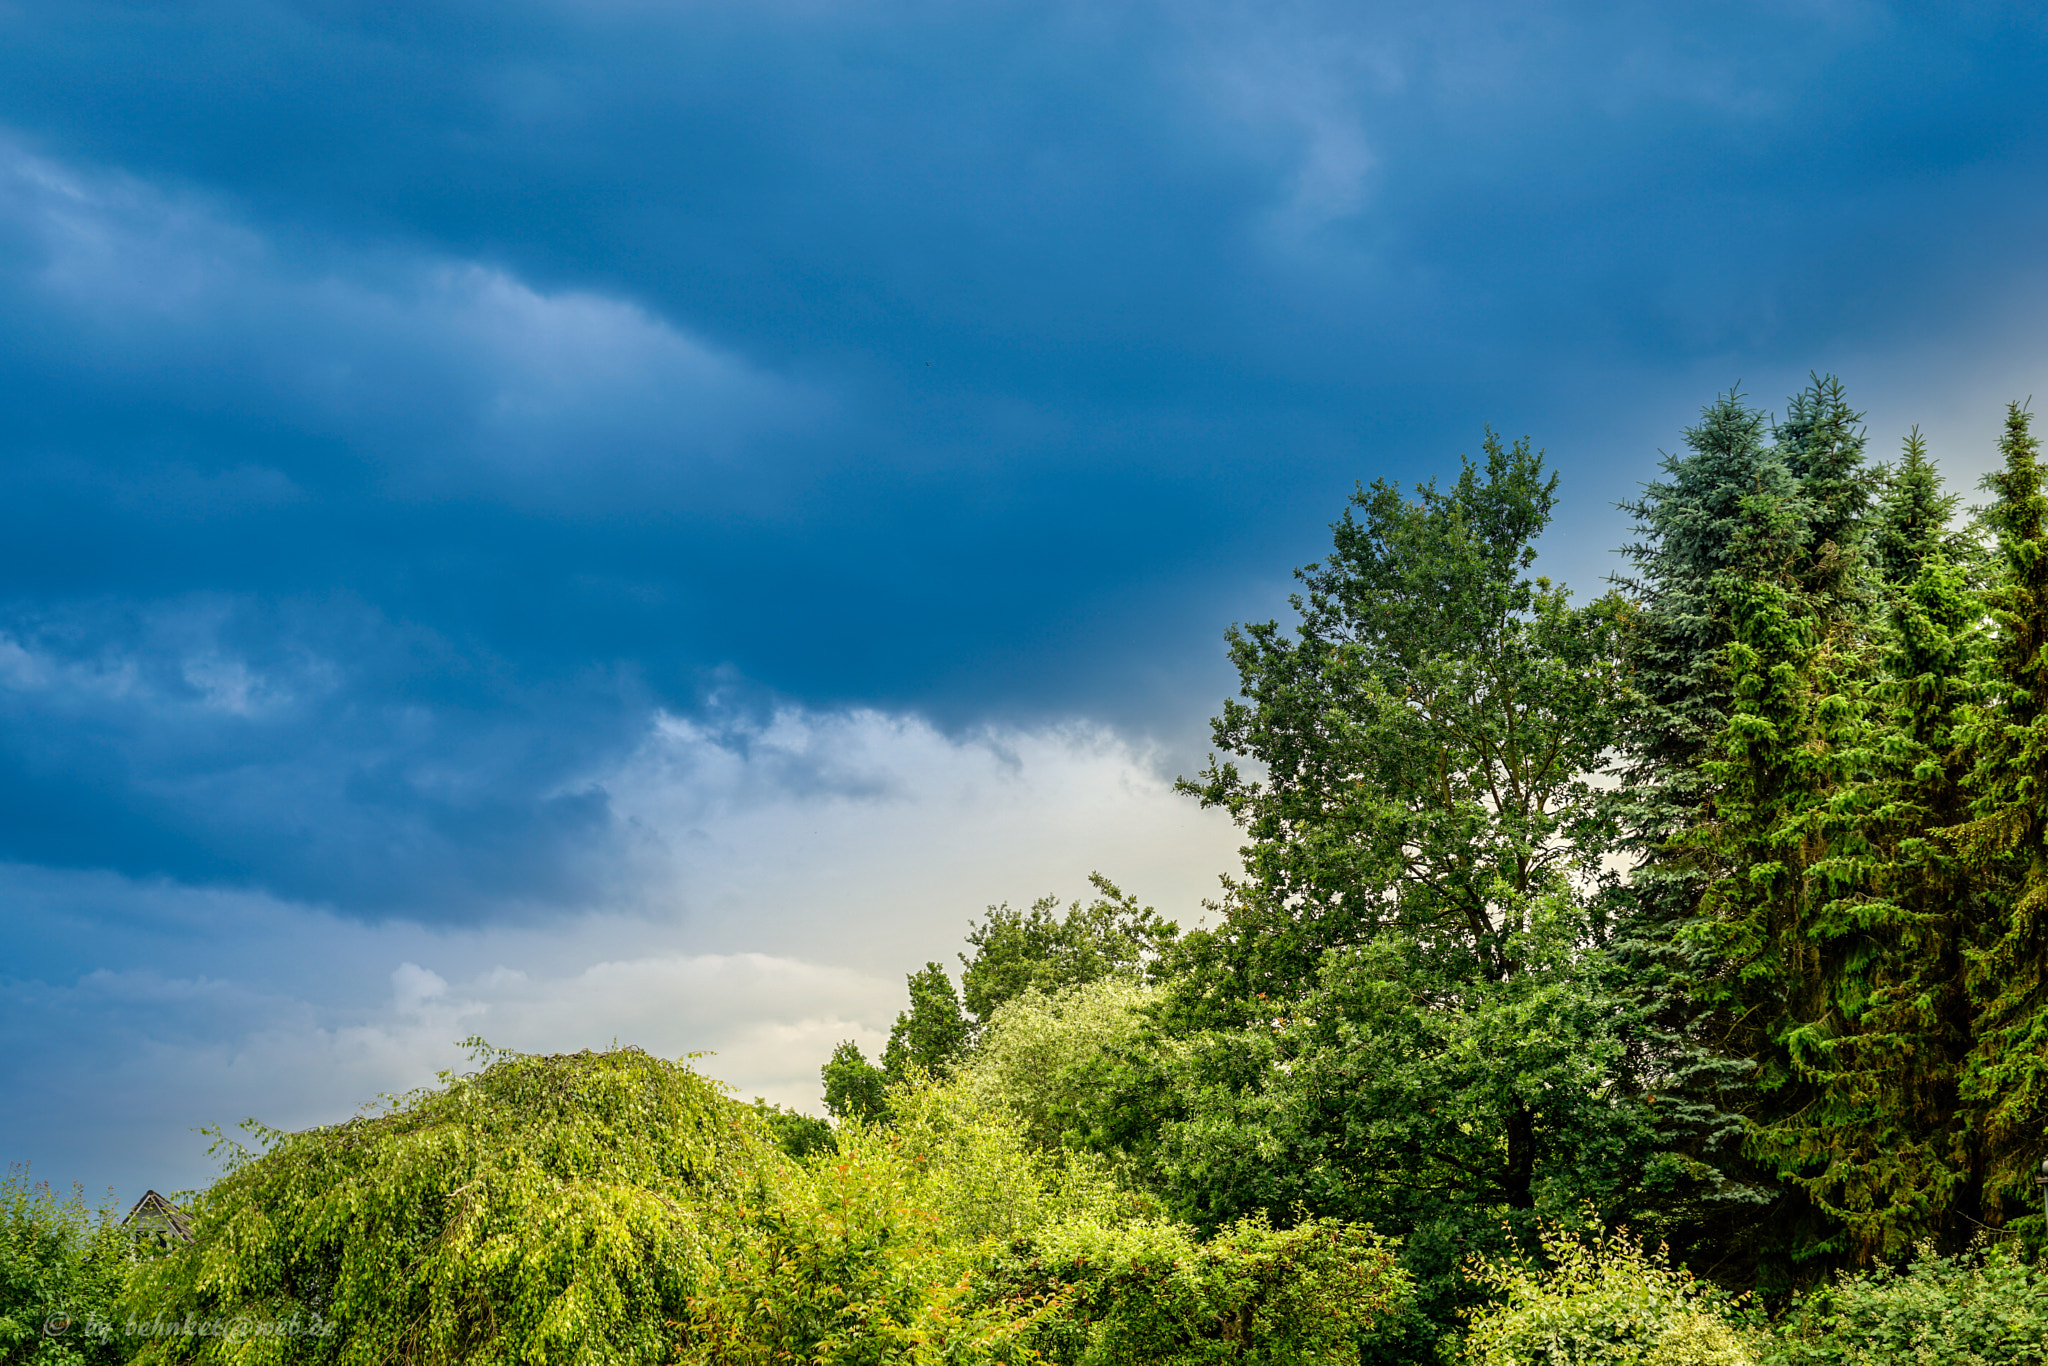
(1715,906)
(1658,980)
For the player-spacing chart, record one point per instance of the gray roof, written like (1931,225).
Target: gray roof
(154,1214)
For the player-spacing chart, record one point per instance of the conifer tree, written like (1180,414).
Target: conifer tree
(2005,842)
(1902,1164)
(1822,440)
(1693,527)
(1687,525)
(1752,578)
(1911,521)
(1764,967)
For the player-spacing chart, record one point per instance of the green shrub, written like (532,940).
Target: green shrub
(616,1208)
(1600,1301)
(877,1250)
(544,1209)
(1697,1338)
(1989,1309)
(948,1235)
(1149,1292)
(62,1266)
(795,1132)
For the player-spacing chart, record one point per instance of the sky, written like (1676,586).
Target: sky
(630,521)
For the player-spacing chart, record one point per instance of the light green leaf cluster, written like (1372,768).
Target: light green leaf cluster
(974,1167)
(1041,1056)
(946,1235)
(1601,1300)
(869,1253)
(615,1208)
(1147,1291)
(61,1269)
(544,1209)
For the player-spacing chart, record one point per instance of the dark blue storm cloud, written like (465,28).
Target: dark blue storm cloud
(405,401)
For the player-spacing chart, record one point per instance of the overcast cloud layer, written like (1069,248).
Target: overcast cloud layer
(635,520)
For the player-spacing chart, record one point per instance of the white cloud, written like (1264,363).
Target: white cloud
(870,835)
(792,870)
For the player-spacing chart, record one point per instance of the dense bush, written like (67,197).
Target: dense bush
(1149,1292)
(614,1207)
(544,1209)
(1988,1310)
(875,1251)
(61,1271)
(617,1208)
(1600,1300)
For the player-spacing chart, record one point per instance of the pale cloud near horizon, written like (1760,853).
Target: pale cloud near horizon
(790,871)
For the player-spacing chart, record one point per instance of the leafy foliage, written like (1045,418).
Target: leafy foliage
(62,1267)
(928,1039)
(1715,908)
(873,1253)
(1601,1300)
(613,1207)
(854,1087)
(930,1036)
(796,1133)
(1981,1309)
(1038,950)
(1148,1292)
(1051,1060)
(1425,742)
(1392,1096)
(544,1208)
(1406,1015)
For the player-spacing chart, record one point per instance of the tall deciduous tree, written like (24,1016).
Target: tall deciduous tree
(931,1036)
(1403,1015)
(1424,740)
(855,1088)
